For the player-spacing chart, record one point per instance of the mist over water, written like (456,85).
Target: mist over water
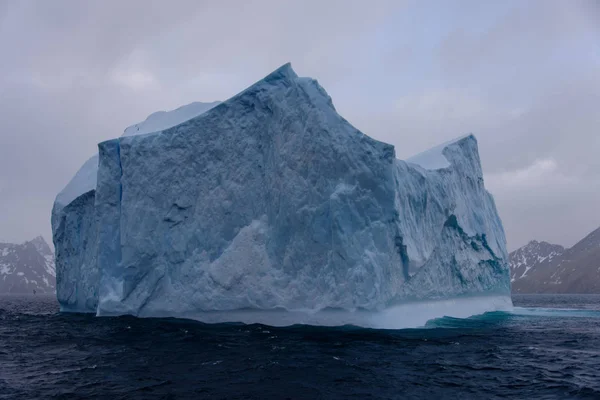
(547,347)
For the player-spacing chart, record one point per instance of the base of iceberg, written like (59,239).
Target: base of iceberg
(402,316)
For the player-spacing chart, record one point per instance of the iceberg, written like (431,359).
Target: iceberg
(271,203)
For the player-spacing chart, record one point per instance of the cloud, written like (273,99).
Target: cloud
(534,175)
(76,73)
(546,201)
(524,77)
(539,159)
(134,79)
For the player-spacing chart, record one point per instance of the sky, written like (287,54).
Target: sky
(523,76)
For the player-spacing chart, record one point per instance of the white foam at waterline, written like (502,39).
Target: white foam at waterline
(409,315)
(413,315)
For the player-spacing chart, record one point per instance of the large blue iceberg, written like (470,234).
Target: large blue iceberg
(272,201)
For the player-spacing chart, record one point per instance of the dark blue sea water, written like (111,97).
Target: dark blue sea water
(549,348)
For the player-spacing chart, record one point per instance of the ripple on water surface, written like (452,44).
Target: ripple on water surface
(547,347)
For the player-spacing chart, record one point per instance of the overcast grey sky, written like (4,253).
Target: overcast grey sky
(523,76)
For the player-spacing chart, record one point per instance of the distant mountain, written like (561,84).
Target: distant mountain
(533,257)
(541,267)
(27,267)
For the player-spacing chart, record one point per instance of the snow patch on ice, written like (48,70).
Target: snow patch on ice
(162,120)
(83,181)
(434,158)
(86,178)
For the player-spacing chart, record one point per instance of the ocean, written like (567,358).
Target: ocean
(547,348)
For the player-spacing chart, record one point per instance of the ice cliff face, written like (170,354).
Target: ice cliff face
(272,200)
(74,220)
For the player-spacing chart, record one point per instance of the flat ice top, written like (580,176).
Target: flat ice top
(161,120)
(434,158)
(85,179)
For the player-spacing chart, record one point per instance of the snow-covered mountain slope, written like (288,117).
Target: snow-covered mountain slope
(27,267)
(540,267)
(272,200)
(532,256)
